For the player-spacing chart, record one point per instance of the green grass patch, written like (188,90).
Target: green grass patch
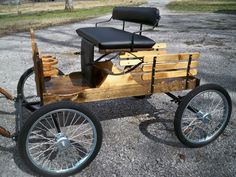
(204,5)
(16,23)
(11,23)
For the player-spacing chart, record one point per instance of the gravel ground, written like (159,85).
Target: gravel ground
(138,134)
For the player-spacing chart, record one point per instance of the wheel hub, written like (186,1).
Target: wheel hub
(62,141)
(205,117)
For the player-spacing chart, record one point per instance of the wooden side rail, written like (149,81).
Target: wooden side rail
(166,65)
(156,51)
(165,58)
(170,66)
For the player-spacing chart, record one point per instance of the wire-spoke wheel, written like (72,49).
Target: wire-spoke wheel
(27,88)
(60,139)
(202,115)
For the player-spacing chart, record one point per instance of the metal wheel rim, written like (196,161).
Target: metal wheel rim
(78,163)
(31,91)
(218,128)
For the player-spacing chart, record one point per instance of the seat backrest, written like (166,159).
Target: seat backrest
(143,15)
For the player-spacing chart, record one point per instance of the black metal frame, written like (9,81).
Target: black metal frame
(188,69)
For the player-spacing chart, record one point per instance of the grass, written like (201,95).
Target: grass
(44,15)
(226,6)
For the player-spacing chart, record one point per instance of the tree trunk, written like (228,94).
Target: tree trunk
(18,2)
(69,5)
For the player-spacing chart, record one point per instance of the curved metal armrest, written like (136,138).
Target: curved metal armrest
(105,21)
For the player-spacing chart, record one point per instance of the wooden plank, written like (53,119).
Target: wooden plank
(129,62)
(169,66)
(176,85)
(97,94)
(81,95)
(67,84)
(142,54)
(6,94)
(160,46)
(171,57)
(72,87)
(38,69)
(169,74)
(32,36)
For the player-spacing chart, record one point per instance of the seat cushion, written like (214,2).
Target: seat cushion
(112,38)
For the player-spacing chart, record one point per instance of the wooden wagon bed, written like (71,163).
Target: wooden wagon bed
(158,73)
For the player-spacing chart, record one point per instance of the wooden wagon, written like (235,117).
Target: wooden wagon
(61,137)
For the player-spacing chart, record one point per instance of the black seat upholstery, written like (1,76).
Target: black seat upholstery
(112,38)
(143,15)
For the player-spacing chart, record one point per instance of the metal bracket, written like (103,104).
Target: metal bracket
(153,74)
(188,69)
(176,99)
(19,113)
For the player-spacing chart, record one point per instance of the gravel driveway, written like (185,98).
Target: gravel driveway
(138,134)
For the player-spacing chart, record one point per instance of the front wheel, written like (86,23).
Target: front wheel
(60,139)
(202,115)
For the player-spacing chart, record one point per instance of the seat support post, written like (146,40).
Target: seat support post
(87,58)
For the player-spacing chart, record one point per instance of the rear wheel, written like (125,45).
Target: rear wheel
(202,115)
(60,139)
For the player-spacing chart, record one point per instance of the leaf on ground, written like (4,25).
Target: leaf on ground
(182,157)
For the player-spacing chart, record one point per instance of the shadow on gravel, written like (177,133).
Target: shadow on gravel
(7,149)
(130,107)
(170,142)
(17,159)
(20,164)
(231,12)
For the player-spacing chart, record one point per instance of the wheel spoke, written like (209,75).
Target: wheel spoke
(40,145)
(47,128)
(83,133)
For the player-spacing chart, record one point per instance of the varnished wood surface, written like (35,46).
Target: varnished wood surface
(171,57)
(6,93)
(141,54)
(169,74)
(72,87)
(170,66)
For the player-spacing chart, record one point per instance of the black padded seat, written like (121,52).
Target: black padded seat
(112,38)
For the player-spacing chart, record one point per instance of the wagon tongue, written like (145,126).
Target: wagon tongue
(4,132)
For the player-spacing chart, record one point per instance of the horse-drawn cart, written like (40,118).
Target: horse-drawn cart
(61,137)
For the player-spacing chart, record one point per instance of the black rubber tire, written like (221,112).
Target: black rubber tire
(184,103)
(21,86)
(22,138)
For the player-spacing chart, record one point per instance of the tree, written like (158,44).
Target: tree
(69,5)
(18,2)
